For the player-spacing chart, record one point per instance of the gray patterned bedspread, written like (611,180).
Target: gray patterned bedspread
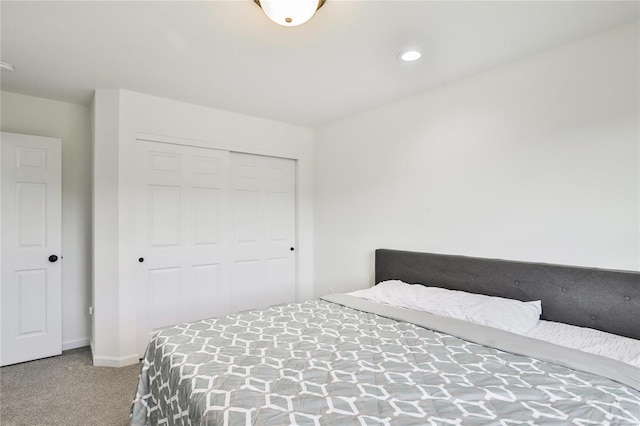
(320,363)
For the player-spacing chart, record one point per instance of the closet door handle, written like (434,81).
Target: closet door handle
(292,249)
(141,259)
(53,258)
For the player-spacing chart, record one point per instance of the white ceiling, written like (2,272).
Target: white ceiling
(228,55)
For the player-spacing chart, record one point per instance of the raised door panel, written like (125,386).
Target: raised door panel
(209,170)
(213,294)
(246,173)
(247,212)
(32,302)
(280,198)
(280,286)
(164,213)
(165,163)
(249,290)
(279,217)
(207,215)
(164,286)
(31,214)
(31,159)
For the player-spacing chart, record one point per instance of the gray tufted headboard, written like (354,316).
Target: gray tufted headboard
(587,297)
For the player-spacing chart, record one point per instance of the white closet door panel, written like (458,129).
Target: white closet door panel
(279,217)
(165,216)
(215,230)
(31,291)
(165,162)
(164,285)
(248,216)
(213,293)
(183,235)
(207,215)
(246,173)
(279,175)
(280,287)
(264,230)
(249,291)
(209,171)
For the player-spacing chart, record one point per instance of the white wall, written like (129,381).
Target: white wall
(536,160)
(105,283)
(72,124)
(121,116)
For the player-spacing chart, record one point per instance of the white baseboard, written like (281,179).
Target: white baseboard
(112,361)
(74,344)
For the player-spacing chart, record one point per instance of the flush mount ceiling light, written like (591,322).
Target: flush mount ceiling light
(409,55)
(290,13)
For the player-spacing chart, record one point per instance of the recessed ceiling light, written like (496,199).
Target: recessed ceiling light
(409,55)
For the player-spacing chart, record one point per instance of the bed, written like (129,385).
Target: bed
(345,360)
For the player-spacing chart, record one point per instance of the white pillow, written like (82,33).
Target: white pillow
(506,314)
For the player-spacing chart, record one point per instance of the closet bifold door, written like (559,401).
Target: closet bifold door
(214,234)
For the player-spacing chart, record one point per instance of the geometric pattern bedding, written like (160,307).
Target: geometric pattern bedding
(320,363)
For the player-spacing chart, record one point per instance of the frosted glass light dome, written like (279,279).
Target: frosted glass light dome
(410,55)
(290,13)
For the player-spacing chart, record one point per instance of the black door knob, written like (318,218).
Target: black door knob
(53,258)
(292,249)
(141,259)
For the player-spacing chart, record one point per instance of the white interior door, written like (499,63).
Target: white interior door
(263,251)
(31,296)
(183,236)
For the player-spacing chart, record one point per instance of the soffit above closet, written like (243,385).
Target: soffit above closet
(228,55)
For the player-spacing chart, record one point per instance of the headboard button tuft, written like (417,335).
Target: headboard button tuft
(440,271)
(475,275)
(516,282)
(564,290)
(593,317)
(627,298)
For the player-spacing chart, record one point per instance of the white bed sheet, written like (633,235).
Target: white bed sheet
(588,340)
(403,295)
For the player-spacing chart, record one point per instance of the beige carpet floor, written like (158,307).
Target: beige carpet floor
(66,390)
